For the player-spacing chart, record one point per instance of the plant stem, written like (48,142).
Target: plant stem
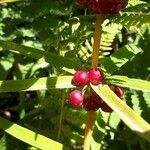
(61,115)
(97,39)
(95,56)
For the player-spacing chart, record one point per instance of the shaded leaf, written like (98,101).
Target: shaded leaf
(124,81)
(25,50)
(119,58)
(52,58)
(61,61)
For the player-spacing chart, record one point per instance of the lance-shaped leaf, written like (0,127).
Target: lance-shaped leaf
(61,61)
(119,58)
(29,136)
(8,1)
(130,118)
(36,84)
(124,81)
(52,58)
(24,50)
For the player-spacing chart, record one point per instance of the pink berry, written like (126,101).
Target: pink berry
(81,78)
(96,76)
(119,91)
(76,98)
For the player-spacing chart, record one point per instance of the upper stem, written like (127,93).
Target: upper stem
(97,40)
(95,59)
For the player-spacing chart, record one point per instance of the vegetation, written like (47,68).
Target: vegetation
(42,44)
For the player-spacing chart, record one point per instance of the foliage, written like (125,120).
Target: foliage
(41,43)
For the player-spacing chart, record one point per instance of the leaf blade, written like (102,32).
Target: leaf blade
(130,118)
(28,136)
(36,84)
(25,50)
(49,57)
(132,83)
(8,1)
(119,58)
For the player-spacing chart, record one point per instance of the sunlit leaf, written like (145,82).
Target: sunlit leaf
(36,84)
(8,1)
(131,118)
(29,136)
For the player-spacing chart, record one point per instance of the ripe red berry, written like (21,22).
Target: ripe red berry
(115,1)
(106,108)
(119,91)
(96,98)
(103,6)
(96,76)
(81,78)
(76,98)
(90,105)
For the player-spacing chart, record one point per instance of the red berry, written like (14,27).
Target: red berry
(115,1)
(90,105)
(96,98)
(96,76)
(81,78)
(118,91)
(104,6)
(106,108)
(76,98)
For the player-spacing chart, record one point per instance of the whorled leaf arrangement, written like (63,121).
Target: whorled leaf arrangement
(61,82)
(69,34)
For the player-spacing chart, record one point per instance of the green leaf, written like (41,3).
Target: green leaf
(29,136)
(8,1)
(124,81)
(99,131)
(119,58)
(130,118)
(133,20)
(61,61)
(36,84)
(25,50)
(52,58)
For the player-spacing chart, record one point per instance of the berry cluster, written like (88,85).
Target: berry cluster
(92,103)
(104,6)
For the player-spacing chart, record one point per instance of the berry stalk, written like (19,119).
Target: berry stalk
(95,56)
